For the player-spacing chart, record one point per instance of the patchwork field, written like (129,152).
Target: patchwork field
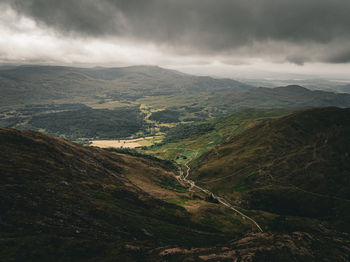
(128,143)
(186,142)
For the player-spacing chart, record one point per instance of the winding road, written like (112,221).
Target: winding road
(192,184)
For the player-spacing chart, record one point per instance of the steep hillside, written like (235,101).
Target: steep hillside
(62,201)
(298,165)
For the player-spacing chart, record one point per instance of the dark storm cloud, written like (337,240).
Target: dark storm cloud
(201,26)
(339,57)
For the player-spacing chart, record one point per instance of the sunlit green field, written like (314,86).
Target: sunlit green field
(184,150)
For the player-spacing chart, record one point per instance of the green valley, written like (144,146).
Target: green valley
(219,169)
(185,141)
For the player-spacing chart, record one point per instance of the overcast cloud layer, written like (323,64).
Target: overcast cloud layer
(229,31)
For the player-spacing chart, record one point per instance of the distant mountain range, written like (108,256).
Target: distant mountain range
(343,88)
(329,85)
(77,102)
(292,96)
(45,84)
(42,84)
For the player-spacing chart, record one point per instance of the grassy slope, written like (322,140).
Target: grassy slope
(82,203)
(223,128)
(296,165)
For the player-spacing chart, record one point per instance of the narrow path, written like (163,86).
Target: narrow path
(192,184)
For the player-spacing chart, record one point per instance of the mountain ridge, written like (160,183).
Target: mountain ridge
(286,166)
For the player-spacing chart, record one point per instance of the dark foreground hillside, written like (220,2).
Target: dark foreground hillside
(63,202)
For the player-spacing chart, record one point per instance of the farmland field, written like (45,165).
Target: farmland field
(128,143)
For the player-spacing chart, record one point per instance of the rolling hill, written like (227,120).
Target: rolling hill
(187,141)
(297,165)
(45,84)
(291,96)
(43,98)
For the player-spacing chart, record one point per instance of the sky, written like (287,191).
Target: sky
(231,38)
